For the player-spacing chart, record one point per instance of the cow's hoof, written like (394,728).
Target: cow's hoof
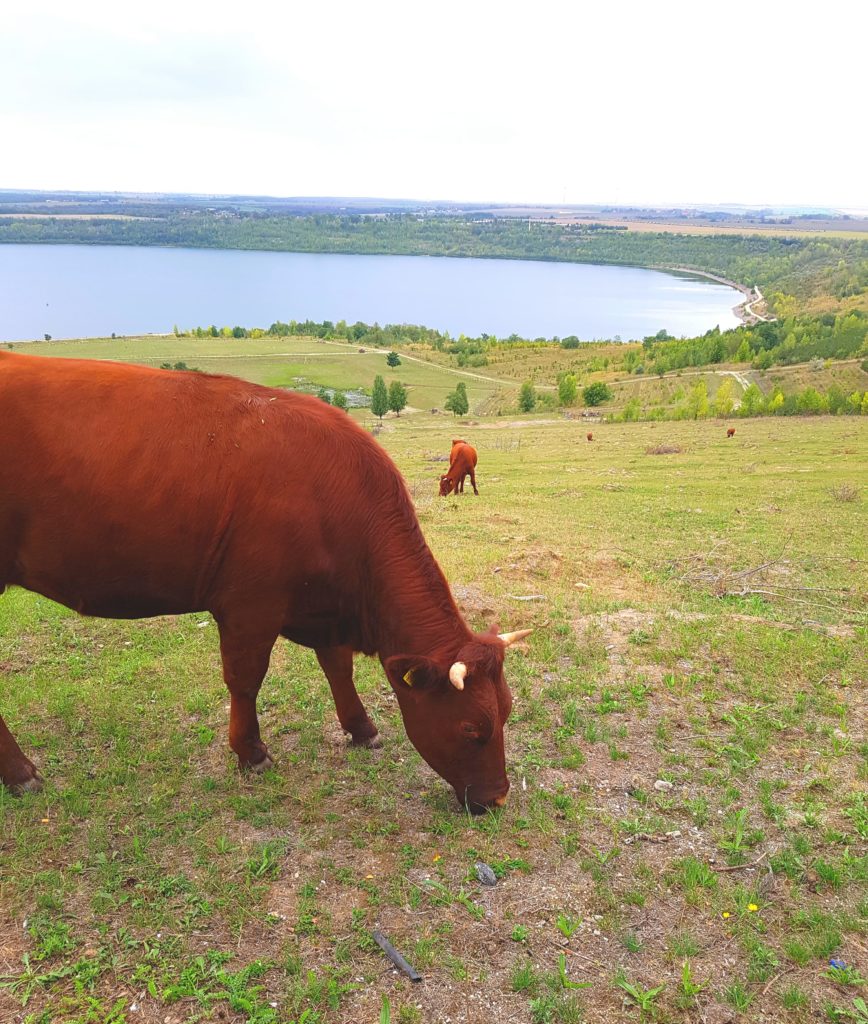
(31,785)
(258,766)
(371,742)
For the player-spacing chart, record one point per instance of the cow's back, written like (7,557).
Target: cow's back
(463,456)
(133,491)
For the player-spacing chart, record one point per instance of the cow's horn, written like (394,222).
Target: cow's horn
(513,638)
(457,675)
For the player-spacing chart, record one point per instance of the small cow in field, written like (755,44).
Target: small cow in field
(730,432)
(462,463)
(590,437)
(128,492)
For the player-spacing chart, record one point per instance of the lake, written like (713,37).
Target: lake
(75,291)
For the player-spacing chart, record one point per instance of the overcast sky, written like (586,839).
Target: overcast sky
(750,102)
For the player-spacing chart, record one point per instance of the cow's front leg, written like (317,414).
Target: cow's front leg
(17,772)
(337,663)
(245,652)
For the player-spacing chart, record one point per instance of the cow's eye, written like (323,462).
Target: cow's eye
(471,731)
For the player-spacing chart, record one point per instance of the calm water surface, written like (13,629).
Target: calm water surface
(74,291)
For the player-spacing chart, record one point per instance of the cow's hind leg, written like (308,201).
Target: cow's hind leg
(337,663)
(473,481)
(245,651)
(17,773)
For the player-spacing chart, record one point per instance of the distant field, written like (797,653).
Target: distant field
(73,216)
(712,228)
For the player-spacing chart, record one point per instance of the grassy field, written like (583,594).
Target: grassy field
(686,837)
(679,227)
(429,375)
(305,363)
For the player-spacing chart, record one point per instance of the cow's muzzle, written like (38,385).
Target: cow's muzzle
(481,805)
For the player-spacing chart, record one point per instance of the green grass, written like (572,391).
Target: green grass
(149,872)
(306,363)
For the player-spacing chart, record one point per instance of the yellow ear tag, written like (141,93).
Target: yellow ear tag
(408,677)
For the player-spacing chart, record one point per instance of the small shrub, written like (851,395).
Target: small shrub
(663,449)
(844,492)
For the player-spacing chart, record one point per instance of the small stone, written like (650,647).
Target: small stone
(663,786)
(485,874)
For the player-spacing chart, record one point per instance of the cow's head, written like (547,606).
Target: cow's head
(454,713)
(446,485)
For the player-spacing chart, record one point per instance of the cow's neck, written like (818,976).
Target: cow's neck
(412,608)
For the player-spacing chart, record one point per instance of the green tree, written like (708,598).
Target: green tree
(723,399)
(527,397)
(744,353)
(854,403)
(339,400)
(812,403)
(567,389)
(397,397)
(775,402)
(457,401)
(596,394)
(393,359)
(697,400)
(837,400)
(632,409)
(752,401)
(379,397)
(323,395)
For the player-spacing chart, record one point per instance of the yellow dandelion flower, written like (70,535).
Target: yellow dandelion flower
(752,907)
(725,913)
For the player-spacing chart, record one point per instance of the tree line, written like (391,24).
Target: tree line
(697,404)
(796,339)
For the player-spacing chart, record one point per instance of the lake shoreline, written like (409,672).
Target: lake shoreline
(742,310)
(95,290)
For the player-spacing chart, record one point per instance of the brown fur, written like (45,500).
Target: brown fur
(127,491)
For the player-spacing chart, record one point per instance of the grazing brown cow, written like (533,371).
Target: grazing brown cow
(462,463)
(730,432)
(127,492)
(590,437)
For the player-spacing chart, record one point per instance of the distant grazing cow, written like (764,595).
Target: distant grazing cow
(127,492)
(462,463)
(590,437)
(730,432)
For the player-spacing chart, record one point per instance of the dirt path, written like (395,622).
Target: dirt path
(750,311)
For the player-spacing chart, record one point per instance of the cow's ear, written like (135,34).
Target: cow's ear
(414,671)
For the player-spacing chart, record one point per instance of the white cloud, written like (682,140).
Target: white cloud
(627,102)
